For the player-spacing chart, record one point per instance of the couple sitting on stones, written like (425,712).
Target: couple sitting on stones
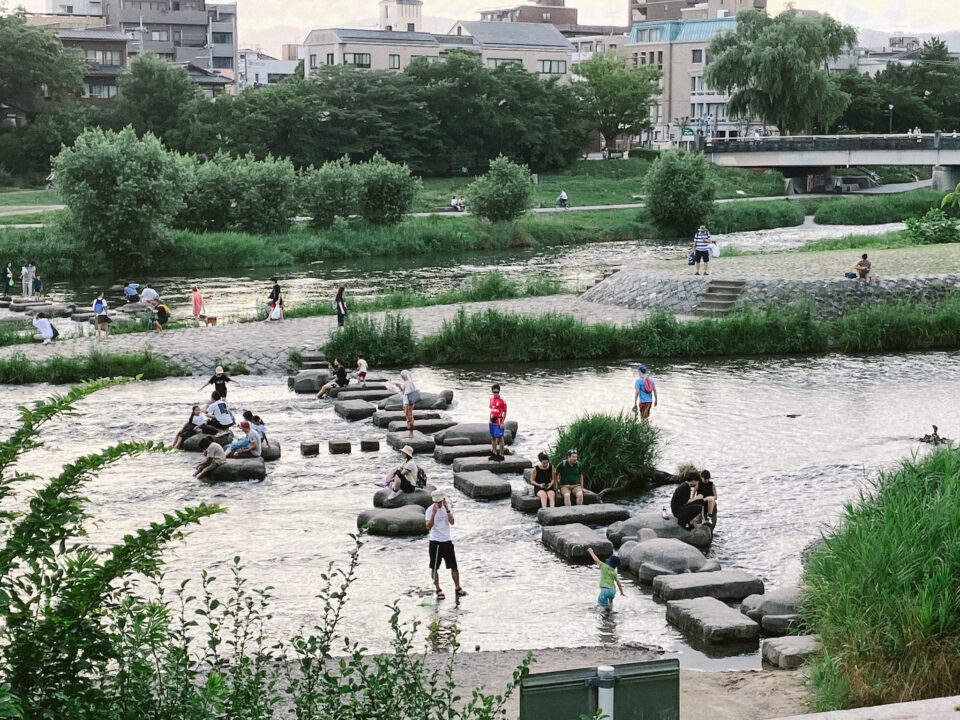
(404,477)
(568,476)
(694,502)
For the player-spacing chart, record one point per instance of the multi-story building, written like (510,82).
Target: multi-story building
(650,10)
(291,52)
(106,53)
(75,7)
(257,69)
(554,12)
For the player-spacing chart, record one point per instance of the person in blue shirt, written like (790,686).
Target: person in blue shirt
(644,393)
(132,291)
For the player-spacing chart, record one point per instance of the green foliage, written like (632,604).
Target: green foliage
(882,591)
(30,57)
(386,191)
(209,190)
(741,216)
(503,194)
(385,343)
(615,95)
(27,151)
(774,68)
(896,239)
(330,191)
(265,200)
(57,370)
(679,192)
(934,227)
(121,190)
(615,450)
(951,199)
(875,209)
(903,326)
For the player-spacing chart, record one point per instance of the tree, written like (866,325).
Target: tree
(503,194)
(615,95)
(773,68)
(679,191)
(387,191)
(31,57)
(121,191)
(330,191)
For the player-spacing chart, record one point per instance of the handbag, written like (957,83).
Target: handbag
(692,258)
(275,314)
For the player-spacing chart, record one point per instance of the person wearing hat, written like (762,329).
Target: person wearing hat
(402,478)
(701,249)
(219,380)
(644,393)
(439,518)
(570,478)
(248,446)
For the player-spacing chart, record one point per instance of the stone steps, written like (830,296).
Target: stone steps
(719,298)
(711,621)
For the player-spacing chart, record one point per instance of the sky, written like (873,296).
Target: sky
(269,23)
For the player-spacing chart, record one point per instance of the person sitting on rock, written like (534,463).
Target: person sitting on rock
(249,446)
(218,413)
(340,379)
(708,491)
(544,481)
(687,503)
(403,478)
(214,456)
(862,268)
(570,477)
(257,424)
(195,424)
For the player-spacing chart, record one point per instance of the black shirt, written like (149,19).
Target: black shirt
(162,314)
(219,383)
(680,497)
(341,373)
(706,488)
(275,293)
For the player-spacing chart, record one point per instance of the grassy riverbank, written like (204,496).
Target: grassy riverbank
(871,209)
(58,370)
(883,590)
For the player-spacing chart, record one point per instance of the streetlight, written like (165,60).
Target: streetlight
(890,108)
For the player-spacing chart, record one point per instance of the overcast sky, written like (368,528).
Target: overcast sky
(268,23)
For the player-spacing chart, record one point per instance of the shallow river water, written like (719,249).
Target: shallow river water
(779,479)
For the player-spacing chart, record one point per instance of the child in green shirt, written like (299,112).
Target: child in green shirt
(609,581)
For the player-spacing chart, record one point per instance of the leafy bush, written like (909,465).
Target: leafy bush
(387,191)
(679,192)
(210,190)
(882,591)
(503,194)
(903,326)
(934,227)
(615,450)
(387,343)
(742,216)
(330,191)
(265,194)
(20,370)
(875,209)
(121,191)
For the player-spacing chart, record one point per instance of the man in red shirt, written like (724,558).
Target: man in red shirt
(498,416)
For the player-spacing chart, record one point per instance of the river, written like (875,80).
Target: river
(780,480)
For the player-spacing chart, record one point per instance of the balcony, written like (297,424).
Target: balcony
(163,17)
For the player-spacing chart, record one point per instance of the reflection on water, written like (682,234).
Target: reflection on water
(779,480)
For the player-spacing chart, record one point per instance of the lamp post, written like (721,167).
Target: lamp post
(890,109)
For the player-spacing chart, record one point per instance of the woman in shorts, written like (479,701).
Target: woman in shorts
(544,481)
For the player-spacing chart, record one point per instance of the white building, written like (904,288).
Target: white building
(257,69)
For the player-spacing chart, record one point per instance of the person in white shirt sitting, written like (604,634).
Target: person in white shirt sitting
(219,414)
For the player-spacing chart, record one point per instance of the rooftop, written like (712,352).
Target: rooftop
(91,34)
(515,34)
(684,30)
(392,37)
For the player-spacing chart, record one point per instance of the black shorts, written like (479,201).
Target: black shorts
(701,255)
(405,485)
(442,551)
(689,511)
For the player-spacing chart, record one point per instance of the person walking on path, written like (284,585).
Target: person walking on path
(498,416)
(8,280)
(101,315)
(361,372)
(275,307)
(701,249)
(26,278)
(197,299)
(644,393)
(862,268)
(609,580)
(570,477)
(340,305)
(439,518)
(410,397)
(219,380)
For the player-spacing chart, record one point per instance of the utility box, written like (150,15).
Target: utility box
(641,691)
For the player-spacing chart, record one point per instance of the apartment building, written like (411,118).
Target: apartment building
(554,12)
(257,69)
(106,53)
(651,10)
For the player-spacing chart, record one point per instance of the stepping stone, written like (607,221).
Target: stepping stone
(369,445)
(312,356)
(530,503)
(238,470)
(369,394)
(310,381)
(192,443)
(408,520)
(474,434)
(59,311)
(779,624)
(711,621)
(723,585)
(270,452)
(782,601)
(338,447)
(354,409)
(511,464)
(701,536)
(790,652)
(446,454)
(599,514)
(310,447)
(664,556)
(383,418)
(427,401)
(320,365)
(481,484)
(571,542)
(424,426)
(420,497)
(419,442)
(339,392)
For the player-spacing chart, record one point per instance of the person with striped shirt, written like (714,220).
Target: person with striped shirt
(701,249)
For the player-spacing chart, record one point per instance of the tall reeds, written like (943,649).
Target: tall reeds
(19,370)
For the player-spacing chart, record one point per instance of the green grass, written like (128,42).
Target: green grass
(18,196)
(883,590)
(895,239)
(45,216)
(19,370)
(389,342)
(874,209)
(741,216)
(903,326)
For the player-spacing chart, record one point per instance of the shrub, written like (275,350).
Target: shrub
(903,326)
(121,191)
(210,191)
(679,191)
(20,370)
(615,450)
(387,343)
(875,209)
(934,227)
(742,216)
(387,191)
(265,200)
(503,194)
(330,191)
(882,591)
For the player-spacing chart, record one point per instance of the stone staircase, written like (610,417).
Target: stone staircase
(313,360)
(719,298)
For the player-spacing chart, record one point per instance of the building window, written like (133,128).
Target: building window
(313,61)
(256,78)
(693,84)
(643,35)
(599,47)
(636,59)
(654,34)
(223,63)
(612,46)
(104,57)
(586,47)
(394,62)
(552,67)
(101,92)
(275,77)
(223,38)
(389,28)
(411,27)
(160,35)
(329,58)
(494,63)
(697,56)
(546,16)
(360,60)
(693,110)
(659,59)
(459,29)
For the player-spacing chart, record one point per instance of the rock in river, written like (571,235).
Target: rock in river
(526,502)
(482,484)
(790,652)
(509,465)
(782,601)
(383,418)
(335,392)
(419,442)
(354,409)
(425,426)
(238,470)
(406,520)
(192,443)
(722,585)
(370,394)
(711,621)
(270,452)
(446,454)
(701,536)
(572,541)
(599,514)
(420,497)
(427,401)
(666,556)
(310,381)
(472,434)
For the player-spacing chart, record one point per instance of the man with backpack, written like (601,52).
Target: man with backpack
(644,393)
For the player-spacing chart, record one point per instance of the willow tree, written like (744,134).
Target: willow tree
(774,68)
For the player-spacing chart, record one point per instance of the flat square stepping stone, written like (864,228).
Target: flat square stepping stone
(419,442)
(530,503)
(237,471)
(722,584)
(482,485)
(368,394)
(383,418)
(711,621)
(354,409)
(342,392)
(790,652)
(314,365)
(427,401)
(369,445)
(471,434)
(338,447)
(420,497)
(312,356)
(310,381)
(408,520)
(571,542)
(192,443)
(511,464)
(446,454)
(425,426)
(310,447)
(599,514)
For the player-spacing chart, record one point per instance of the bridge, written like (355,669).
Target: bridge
(799,155)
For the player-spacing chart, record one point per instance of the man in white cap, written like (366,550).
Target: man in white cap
(219,380)
(439,519)
(403,478)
